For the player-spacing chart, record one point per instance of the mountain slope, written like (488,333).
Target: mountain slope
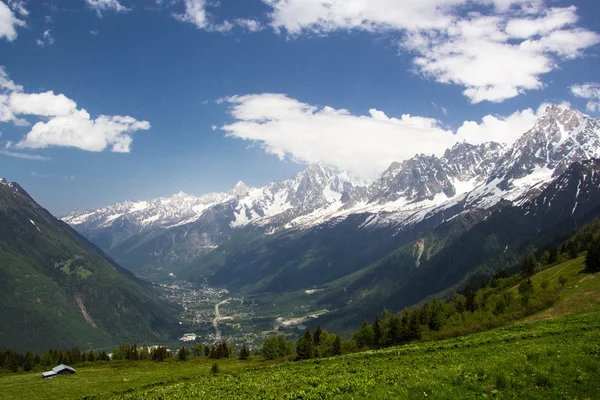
(501,240)
(59,290)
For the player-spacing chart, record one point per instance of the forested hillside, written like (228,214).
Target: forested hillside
(59,290)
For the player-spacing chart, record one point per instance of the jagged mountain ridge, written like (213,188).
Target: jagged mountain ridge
(423,187)
(124,220)
(453,255)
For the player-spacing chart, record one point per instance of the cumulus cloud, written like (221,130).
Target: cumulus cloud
(364,144)
(18,6)
(496,49)
(62,123)
(590,91)
(9,22)
(47,39)
(195,13)
(101,6)
(502,129)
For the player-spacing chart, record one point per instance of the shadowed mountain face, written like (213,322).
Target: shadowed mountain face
(58,290)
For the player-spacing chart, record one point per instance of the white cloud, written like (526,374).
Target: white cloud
(502,129)
(47,39)
(592,106)
(18,6)
(9,23)
(45,104)
(63,124)
(251,25)
(195,13)
(590,91)
(25,156)
(106,5)
(496,52)
(79,130)
(6,84)
(364,144)
(554,19)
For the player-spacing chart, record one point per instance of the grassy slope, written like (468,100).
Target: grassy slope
(549,357)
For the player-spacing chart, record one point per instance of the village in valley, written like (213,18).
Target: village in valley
(212,315)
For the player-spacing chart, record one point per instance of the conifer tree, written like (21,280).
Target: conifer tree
(592,258)
(414,327)
(305,346)
(29,361)
(553,255)
(365,336)
(336,348)
(529,264)
(182,354)
(244,352)
(198,350)
(377,333)
(470,299)
(317,336)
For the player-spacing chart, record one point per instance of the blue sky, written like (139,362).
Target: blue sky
(253,90)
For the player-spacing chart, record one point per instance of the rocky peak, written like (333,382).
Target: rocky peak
(465,161)
(559,137)
(240,189)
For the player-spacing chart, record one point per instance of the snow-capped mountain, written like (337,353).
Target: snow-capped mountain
(424,188)
(317,187)
(559,138)
(422,177)
(134,217)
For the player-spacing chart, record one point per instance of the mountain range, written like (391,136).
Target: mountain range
(171,233)
(327,240)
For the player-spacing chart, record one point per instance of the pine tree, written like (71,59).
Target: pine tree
(435,316)
(244,352)
(305,346)
(529,264)
(592,258)
(377,333)
(317,336)
(336,348)
(414,327)
(553,255)
(394,335)
(470,299)
(29,362)
(145,353)
(182,354)
(365,336)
